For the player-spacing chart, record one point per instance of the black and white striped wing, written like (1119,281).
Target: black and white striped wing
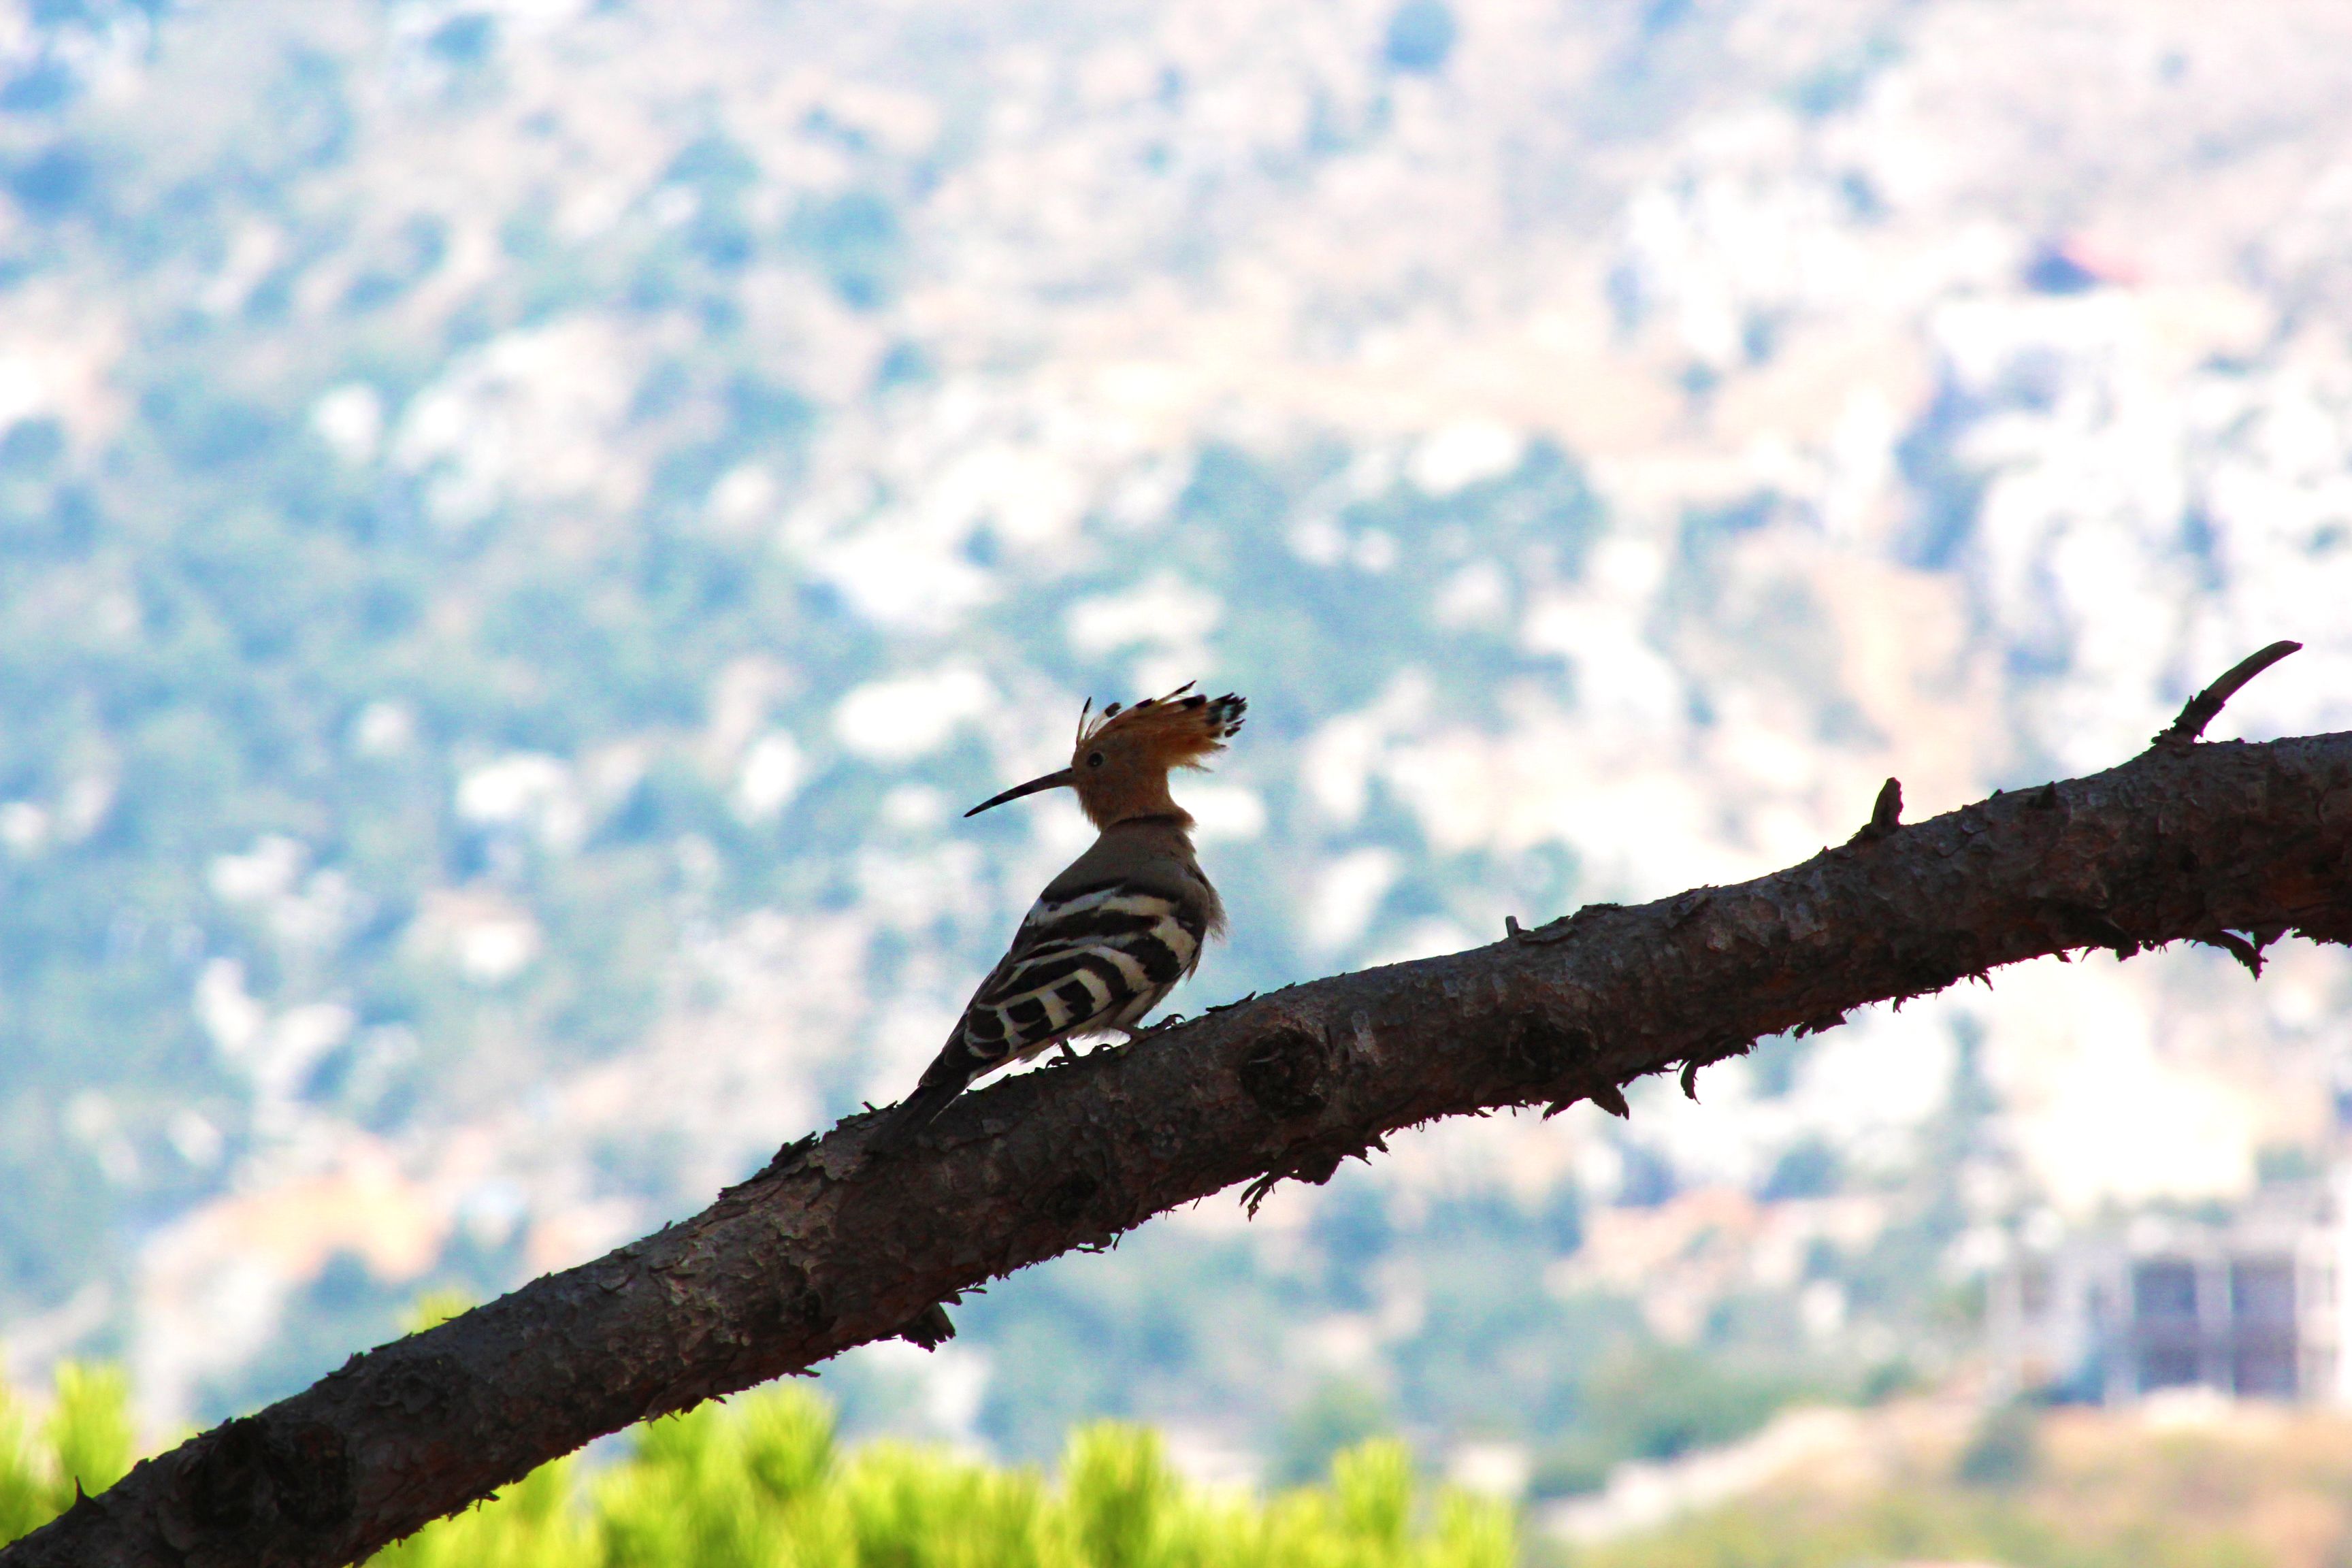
(1100,959)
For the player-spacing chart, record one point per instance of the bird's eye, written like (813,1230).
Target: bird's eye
(1094,759)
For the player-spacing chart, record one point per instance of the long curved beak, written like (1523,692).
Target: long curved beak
(1051,781)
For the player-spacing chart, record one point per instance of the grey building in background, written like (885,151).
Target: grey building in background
(2249,1307)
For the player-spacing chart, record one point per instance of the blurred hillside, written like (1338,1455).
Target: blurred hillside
(2179,1482)
(524,524)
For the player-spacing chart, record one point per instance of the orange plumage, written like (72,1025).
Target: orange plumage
(1123,757)
(1120,765)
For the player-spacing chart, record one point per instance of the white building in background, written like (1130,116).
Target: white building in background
(2250,1307)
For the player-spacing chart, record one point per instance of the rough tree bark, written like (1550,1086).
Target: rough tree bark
(2228,844)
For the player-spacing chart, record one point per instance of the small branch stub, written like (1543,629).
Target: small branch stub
(2237,947)
(2200,709)
(1885,814)
(1609,1097)
(929,1328)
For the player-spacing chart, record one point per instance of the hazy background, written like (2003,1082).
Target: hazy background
(522,526)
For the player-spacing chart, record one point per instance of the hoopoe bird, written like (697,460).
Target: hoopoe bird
(1116,932)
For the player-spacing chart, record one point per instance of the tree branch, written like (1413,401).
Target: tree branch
(824,1250)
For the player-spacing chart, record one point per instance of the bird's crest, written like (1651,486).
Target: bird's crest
(1120,765)
(1181,730)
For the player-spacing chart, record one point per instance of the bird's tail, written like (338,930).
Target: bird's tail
(941,1084)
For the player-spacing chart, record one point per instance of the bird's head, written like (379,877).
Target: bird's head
(1124,755)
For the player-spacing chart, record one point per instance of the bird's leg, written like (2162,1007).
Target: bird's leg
(1068,1053)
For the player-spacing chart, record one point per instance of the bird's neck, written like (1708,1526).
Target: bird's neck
(1144,801)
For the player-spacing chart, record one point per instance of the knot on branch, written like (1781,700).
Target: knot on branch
(1066,1202)
(1287,1076)
(1543,1050)
(253,1466)
(800,1307)
(224,1483)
